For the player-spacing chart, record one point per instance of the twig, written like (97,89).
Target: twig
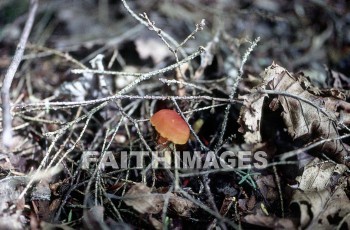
(292,153)
(5,91)
(71,104)
(278,183)
(166,81)
(167,36)
(72,147)
(48,51)
(199,27)
(203,147)
(144,19)
(207,209)
(149,74)
(318,108)
(234,89)
(231,169)
(165,206)
(151,26)
(210,200)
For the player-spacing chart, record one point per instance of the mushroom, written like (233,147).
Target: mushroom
(170,126)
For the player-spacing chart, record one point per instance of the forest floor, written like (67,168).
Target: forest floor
(262,88)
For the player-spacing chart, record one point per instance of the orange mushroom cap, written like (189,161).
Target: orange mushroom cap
(171,126)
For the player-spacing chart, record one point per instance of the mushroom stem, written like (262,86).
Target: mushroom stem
(162,143)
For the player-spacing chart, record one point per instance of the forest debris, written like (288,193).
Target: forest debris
(309,203)
(338,206)
(207,57)
(319,201)
(267,187)
(322,209)
(155,223)
(10,206)
(181,206)
(250,117)
(152,48)
(142,200)
(270,222)
(320,175)
(307,115)
(226,205)
(251,202)
(94,219)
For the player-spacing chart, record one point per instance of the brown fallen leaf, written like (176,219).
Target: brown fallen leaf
(142,200)
(250,117)
(323,209)
(226,205)
(181,206)
(307,112)
(156,223)
(319,175)
(267,187)
(11,207)
(270,222)
(321,200)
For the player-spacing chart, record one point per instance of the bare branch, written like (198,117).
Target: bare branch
(233,92)
(11,71)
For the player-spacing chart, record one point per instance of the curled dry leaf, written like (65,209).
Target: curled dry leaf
(319,199)
(322,209)
(308,113)
(250,117)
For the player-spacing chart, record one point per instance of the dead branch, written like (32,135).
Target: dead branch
(11,71)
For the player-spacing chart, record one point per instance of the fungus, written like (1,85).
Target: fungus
(171,126)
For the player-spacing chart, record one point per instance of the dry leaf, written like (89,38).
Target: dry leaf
(267,187)
(316,203)
(142,200)
(250,117)
(322,209)
(10,189)
(155,223)
(307,115)
(270,222)
(337,208)
(181,206)
(320,175)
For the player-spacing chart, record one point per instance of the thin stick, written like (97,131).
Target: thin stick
(296,152)
(5,91)
(203,147)
(233,92)
(143,22)
(70,104)
(208,210)
(166,81)
(278,183)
